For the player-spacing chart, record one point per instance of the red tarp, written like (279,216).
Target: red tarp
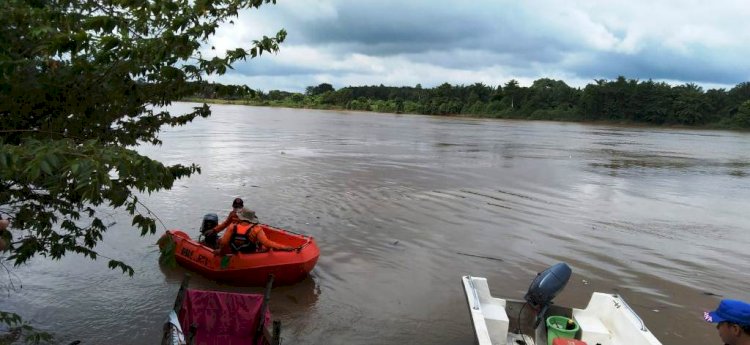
(222,317)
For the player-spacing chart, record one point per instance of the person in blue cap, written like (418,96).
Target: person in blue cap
(732,319)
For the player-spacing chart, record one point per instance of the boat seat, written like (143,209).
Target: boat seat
(608,320)
(593,331)
(497,321)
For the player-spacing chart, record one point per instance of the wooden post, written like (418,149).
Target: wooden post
(167,332)
(261,329)
(276,338)
(181,294)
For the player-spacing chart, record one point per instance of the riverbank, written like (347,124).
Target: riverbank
(249,102)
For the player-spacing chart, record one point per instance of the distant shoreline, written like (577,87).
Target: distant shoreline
(625,123)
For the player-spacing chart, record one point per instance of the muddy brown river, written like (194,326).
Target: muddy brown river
(402,206)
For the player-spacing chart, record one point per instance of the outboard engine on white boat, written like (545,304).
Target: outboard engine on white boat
(545,287)
(210,221)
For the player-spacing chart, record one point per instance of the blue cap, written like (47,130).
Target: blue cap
(730,310)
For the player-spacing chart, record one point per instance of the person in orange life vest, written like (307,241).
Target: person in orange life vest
(732,319)
(246,232)
(237,205)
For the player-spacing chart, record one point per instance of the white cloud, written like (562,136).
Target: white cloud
(492,41)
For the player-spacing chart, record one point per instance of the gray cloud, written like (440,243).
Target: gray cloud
(388,28)
(421,41)
(270,68)
(661,64)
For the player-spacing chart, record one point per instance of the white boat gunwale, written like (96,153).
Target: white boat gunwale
(607,319)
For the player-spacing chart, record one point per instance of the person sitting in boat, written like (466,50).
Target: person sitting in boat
(237,205)
(246,236)
(733,321)
(211,235)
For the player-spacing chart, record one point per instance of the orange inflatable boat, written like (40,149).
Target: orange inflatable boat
(252,268)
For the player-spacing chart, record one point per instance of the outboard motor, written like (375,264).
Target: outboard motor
(210,221)
(545,287)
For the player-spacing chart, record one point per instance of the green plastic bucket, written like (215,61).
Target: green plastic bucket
(557,328)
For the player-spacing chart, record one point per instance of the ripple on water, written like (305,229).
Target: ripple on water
(402,206)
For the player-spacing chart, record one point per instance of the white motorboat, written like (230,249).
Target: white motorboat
(607,320)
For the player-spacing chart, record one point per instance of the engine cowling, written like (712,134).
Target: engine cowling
(546,286)
(210,220)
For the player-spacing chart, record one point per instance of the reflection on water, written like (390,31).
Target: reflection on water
(403,206)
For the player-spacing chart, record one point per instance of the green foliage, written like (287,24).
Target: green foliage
(17,328)
(622,100)
(320,89)
(742,117)
(167,247)
(81,84)
(51,184)
(690,105)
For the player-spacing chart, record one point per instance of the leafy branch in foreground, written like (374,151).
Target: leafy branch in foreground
(81,84)
(16,329)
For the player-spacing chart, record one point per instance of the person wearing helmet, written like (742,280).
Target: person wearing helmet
(246,236)
(732,319)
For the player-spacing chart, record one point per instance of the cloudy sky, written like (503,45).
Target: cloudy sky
(406,42)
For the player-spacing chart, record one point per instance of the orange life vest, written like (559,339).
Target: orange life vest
(244,237)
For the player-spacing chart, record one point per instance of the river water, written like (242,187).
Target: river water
(402,206)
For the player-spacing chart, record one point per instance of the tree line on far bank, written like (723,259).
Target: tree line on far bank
(619,100)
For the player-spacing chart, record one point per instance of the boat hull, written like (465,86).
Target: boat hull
(606,320)
(249,269)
